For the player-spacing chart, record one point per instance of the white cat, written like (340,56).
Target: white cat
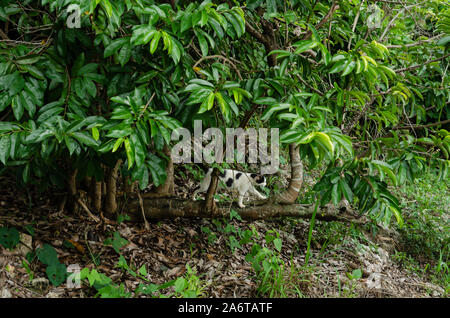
(238,181)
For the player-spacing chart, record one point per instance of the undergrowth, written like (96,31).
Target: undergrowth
(425,236)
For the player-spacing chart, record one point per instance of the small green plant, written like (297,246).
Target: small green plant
(26,265)
(56,271)
(268,265)
(424,238)
(9,237)
(190,285)
(103,284)
(116,241)
(236,237)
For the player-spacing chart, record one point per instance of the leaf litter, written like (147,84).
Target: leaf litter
(171,244)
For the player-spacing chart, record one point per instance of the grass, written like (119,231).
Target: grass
(425,236)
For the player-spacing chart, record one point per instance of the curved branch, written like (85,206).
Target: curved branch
(290,195)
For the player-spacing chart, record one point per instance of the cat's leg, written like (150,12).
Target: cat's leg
(259,195)
(204,185)
(240,199)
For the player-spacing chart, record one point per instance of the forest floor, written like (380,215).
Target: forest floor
(345,260)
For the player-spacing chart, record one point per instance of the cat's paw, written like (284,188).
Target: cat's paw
(241,205)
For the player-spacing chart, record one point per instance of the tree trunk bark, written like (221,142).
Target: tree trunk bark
(290,195)
(96,194)
(111,189)
(168,188)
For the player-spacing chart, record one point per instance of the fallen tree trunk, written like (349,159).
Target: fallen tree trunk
(176,207)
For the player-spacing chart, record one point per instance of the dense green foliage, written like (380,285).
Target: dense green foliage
(362,81)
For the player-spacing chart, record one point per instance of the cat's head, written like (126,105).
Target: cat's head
(258,179)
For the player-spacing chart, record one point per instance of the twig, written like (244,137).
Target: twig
(410,68)
(223,58)
(96,219)
(399,46)
(422,126)
(141,203)
(355,22)
(324,20)
(395,18)
(146,105)
(309,86)
(3,35)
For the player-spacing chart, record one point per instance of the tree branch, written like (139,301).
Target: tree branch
(399,46)
(410,68)
(422,126)
(324,20)
(223,58)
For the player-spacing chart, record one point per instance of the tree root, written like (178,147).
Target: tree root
(175,207)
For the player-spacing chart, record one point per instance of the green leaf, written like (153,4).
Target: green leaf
(277,107)
(335,194)
(338,67)
(349,66)
(31,59)
(223,105)
(397,215)
(207,103)
(168,43)
(84,138)
(142,35)
(155,42)
(345,189)
(114,46)
(14,82)
(33,71)
(186,22)
(28,102)
(9,237)
(180,284)
(157,168)
(117,144)
(325,140)
(443,41)
(265,101)
(202,43)
(95,133)
(130,153)
(56,273)
(143,270)
(124,54)
(305,45)
(201,82)
(17,107)
(5,144)
(47,255)
(90,87)
(278,244)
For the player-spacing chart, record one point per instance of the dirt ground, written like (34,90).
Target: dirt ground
(171,244)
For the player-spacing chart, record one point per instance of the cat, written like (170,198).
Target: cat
(235,180)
